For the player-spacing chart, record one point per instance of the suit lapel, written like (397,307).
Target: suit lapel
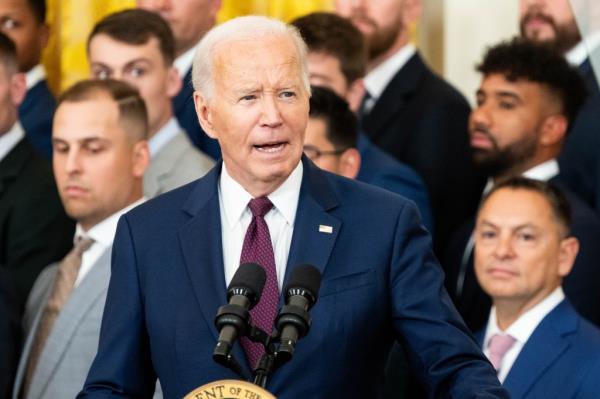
(78,305)
(547,343)
(163,163)
(13,163)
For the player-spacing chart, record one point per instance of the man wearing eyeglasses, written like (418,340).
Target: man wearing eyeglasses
(331,140)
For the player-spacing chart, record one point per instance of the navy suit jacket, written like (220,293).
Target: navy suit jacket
(35,114)
(183,106)
(380,281)
(382,170)
(560,360)
(421,121)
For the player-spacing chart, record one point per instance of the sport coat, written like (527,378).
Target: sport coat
(422,122)
(35,113)
(581,285)
(175,164)
(183,106)
(34,229)
(560,360)
(380,281)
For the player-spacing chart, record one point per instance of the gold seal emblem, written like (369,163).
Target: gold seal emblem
(229,389)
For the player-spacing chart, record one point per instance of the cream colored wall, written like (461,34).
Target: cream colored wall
(454,34)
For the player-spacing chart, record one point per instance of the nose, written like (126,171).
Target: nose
(480,116)
(504,248)
(73,162)
(271,114)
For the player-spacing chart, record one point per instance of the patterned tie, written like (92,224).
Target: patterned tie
(63,285)
(498,346)
(259,249)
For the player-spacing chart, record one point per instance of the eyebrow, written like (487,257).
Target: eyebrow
(127,65)
(517,227)
(85,140)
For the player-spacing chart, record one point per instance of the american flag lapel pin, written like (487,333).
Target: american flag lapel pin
(325,229)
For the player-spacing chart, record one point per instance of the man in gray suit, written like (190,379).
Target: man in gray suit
(137,46)
(100,154)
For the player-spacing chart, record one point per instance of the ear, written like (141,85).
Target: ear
(140,158)
(44,35)
(18,88)
(411,11)
(174,82)
(204,114)
(553,131)
(356,92)
(569,247)
(350,163)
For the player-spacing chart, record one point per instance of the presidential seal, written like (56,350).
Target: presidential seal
(229,389)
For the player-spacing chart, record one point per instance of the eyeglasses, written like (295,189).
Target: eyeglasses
(313,153)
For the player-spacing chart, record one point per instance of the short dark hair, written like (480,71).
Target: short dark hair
(559,204)
(520,59)
(8,53)
(38,8)
(340,122)
(334,35)
(133,116)
(136,26)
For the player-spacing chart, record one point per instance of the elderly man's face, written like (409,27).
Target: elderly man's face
(258,112)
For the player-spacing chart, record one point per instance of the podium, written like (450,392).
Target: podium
(229,389)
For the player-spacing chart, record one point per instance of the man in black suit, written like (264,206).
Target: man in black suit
(10,334)
(24,21)
(528,97)
(555,22)
(189,20)
(413,114)
(34,229)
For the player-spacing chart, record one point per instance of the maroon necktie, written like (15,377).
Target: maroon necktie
(258,249)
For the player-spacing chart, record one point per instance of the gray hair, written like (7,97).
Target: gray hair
(242,28)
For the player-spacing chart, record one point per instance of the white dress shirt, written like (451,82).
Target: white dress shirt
(103,235)
(521,329)
(163,136)
(543,172)
(236,217)
(184,62)
(10,139)
(578,54)
(35,75)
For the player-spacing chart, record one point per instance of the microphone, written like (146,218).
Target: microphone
(294,321)
(231,320)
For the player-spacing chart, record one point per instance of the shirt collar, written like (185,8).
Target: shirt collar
(35,75)
(524,326)
(578,54)
(163,136)
(184,62)
(378,79)
(10,139)
(103,233)
(235,197)
(544,172)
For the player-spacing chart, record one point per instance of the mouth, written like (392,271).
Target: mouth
(501,272)
(481,140)
(74,191)
(271,148)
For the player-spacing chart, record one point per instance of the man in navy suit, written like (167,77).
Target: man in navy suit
(527,99)
(24,21)
(189,20)
(534,337)
(174,256)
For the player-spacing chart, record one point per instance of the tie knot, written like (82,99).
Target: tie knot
(260,206)
(498,346)
(82,244)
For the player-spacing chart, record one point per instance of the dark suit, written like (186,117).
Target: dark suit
(560,360)
(581,285)
(381,170)
(422,121)
(183,106)
(380,282)
(34,230)
(10,334)
(35,114)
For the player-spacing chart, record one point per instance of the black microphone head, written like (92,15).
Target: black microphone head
(306,281)
(248,280)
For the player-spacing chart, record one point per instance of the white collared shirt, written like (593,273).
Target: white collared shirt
(521,329)
(543,172)
(578,54)
(10,139)
(236,217)
(35,75)
(378,79)
(103,235)
(184,62)
(163,136)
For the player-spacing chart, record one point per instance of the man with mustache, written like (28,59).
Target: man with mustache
(528,97)
(554,22)
(413,114)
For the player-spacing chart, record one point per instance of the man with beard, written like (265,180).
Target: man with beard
(553,22)
(528,97)
(413,114)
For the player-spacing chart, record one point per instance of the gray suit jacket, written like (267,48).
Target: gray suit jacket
(72,345)
(176,164)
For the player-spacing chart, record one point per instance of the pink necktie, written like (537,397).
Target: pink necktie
(498,346)
(259,249)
